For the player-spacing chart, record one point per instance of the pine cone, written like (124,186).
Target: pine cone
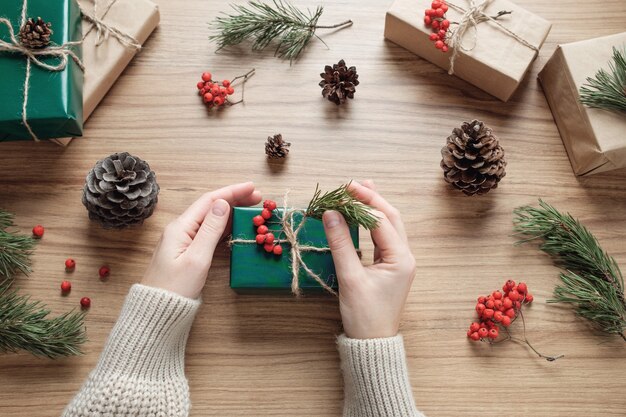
(339,82)
(120,191)
(276,147)
(35,34)
(473,160)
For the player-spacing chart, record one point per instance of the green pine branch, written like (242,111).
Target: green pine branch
(592,281)
(355,212)
(608,89)
(15,248)
(264,23)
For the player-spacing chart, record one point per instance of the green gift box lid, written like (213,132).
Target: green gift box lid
(55,98)
(252,269)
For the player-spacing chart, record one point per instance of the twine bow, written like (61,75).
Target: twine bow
(103,30)
(472,16)
(291,231)
(61,52)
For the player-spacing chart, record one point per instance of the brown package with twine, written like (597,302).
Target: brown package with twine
(493,55)
(594,138)
(125,26)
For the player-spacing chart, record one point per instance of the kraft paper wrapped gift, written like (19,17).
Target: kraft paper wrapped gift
(105,62)
(494,61)
(595,139)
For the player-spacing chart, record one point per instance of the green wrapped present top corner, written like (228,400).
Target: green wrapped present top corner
(252,269)
(54,98)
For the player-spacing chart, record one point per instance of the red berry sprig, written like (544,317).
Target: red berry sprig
(435,18)
(264,236)
(215,93)
(498,310)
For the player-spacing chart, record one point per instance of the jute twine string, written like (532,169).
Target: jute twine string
(290,230)
(472,16)
(103,30)
(61,52)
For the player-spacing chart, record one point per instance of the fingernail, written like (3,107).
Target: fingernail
(331,219)
(220,207)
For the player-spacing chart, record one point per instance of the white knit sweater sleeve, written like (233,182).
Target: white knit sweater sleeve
(376,378)
(141,370)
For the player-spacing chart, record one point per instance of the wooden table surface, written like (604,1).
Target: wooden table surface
(274,355)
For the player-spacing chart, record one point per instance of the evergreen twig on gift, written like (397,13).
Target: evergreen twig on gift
(608,89)
(340,200)
(266,22)
(15,249)
(592,281)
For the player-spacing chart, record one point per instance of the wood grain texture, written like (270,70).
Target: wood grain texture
(275,356)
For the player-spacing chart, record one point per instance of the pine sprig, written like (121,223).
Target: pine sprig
(608,89)
(24,325)
(592,281)
(15,248)
(340,200)
(266,22)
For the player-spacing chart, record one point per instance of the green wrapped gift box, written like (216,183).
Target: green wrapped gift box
(252,269)
(55,98)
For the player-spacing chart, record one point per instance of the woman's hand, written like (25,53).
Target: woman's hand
(183,256)
(371,298)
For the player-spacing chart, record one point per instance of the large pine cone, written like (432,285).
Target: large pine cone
(276,147)
(35,34)
(473,160)
(120,191)
(339,82)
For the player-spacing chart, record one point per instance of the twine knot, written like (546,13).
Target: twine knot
(103,30)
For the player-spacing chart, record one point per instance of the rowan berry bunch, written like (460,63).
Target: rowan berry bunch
(435,18)
(497,311)
(264,235)
(215,93)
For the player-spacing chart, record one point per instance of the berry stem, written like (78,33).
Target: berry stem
(243,85)
(525,340)
(338,25)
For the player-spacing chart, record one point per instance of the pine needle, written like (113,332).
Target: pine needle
(263,23)
(608,89)
(592,281)
(340,200)
(15,249)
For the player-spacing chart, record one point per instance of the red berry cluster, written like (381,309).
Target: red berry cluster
(264,236)
(435,18)
(214,93)
(499,309)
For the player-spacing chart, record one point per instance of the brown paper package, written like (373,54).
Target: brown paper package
(105,63)
(498,62)
(595,139)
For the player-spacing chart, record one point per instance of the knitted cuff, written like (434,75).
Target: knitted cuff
(375,377)
(148,341)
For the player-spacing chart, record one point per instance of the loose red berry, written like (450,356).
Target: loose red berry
(529,298)
(208,97)
(493,333)
(510,313)
(230,91)
(444,7)
(427,20)
(482,299)
(442,34)
(444,48)
(206,76)
(475,336)
(104,271)
(506,321)
(260,239)
(514,295)
(278,250)
(266,213)
(430,12)
(497,295)
(262,229)
(508,285)
(70,264)
(445,24)
(435,4)
(268,247)
(66,286)
(226,83)
(439,12)
(480,308)
(439,44)
(474,327)
(269,204)
(200,85)
(85,302)
(522,287)
(38,231)
(258,220)
(483,332)
(435,24)
(433,37)
(269,238)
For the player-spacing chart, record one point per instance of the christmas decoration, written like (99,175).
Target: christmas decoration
(70,264)
(496,313)
(38,231)
(339,82)
(24,324)
(276,147)
(120,191)
(265,22)
(66,287)
(215,93)
(608,89)
(309,264)
(473,160)
(592,281)
(483,48)
(104,272)
(35,34)
(85,302)
(42,71)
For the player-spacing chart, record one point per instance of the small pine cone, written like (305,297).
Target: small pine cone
(276,147)
(120,191)
(35,34)
(473,160)
(339,82)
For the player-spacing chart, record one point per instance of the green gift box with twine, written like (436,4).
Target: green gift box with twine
(253,270)
(41,87)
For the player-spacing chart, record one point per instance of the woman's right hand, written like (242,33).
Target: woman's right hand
(371,298)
